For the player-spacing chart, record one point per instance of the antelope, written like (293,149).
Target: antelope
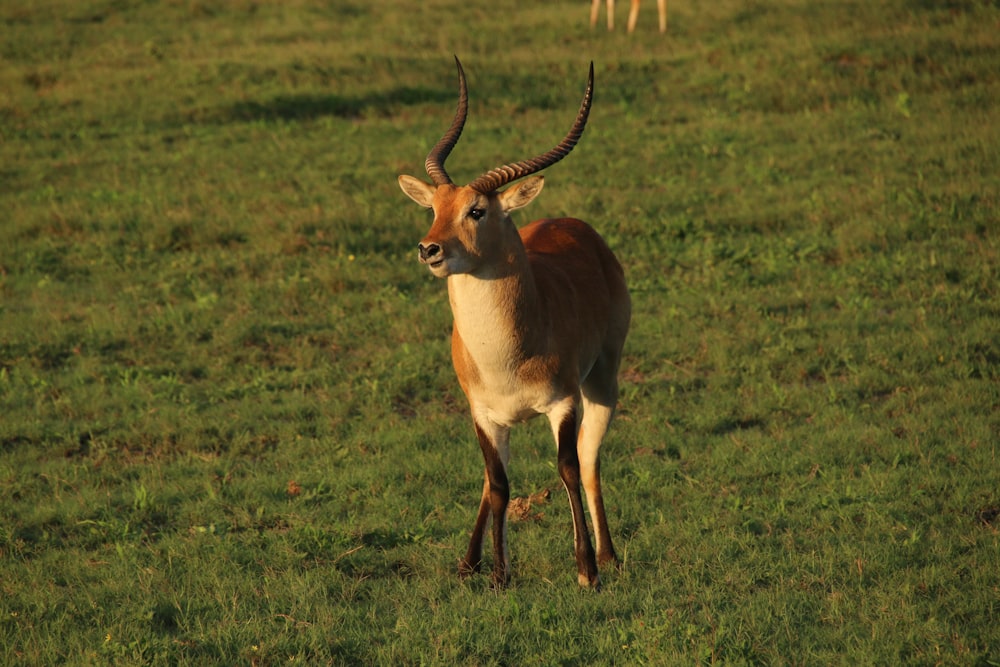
(540,319)
(633,14)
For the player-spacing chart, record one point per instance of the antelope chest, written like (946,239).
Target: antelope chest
(509,405)
(502,351)
(509,396)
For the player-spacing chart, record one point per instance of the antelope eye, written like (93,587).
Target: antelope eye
(477,213)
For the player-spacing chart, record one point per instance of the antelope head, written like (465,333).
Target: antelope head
(472,222)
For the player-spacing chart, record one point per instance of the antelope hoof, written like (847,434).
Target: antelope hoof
(590,582)
(467,569)
(588,575)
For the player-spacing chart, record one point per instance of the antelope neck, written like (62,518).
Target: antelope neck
(496,314)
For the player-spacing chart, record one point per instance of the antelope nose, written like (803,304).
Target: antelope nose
(429,252)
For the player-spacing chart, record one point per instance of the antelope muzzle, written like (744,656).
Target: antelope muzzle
(430,253)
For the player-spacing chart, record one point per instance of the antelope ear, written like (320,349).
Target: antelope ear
(417,190)
(521,193)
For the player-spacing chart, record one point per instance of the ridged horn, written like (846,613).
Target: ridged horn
(501,176)
(434,164)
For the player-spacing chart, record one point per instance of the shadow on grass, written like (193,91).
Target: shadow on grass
(732,425)
(310,106)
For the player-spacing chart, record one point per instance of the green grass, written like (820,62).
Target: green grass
(230,430)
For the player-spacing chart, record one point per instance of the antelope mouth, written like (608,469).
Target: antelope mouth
(437,266)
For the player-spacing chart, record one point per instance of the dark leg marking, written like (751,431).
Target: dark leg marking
(474,555)
(496,495)
(569,471)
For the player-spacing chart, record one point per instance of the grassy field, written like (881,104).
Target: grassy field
(229,428)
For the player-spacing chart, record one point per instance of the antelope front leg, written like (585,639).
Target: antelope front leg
(493,440)
(474,555)
(569,471)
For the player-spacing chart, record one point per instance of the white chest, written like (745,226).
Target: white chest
(508,384)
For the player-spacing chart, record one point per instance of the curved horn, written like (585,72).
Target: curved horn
(434,164)
(501,176)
